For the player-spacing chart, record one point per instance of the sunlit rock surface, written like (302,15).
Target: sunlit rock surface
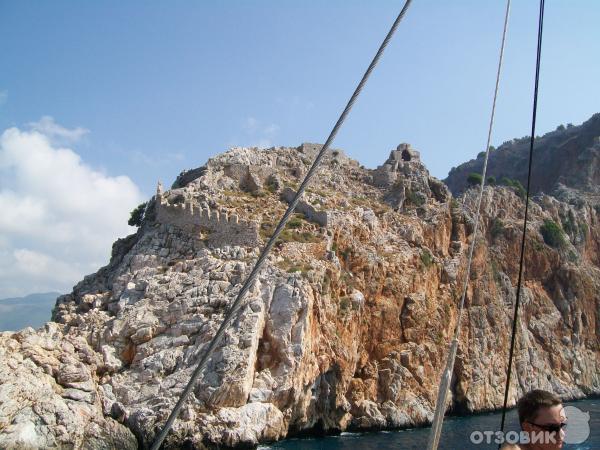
(347,326)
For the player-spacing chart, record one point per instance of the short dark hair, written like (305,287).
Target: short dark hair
(530,403)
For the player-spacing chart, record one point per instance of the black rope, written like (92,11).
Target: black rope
(251,278)
(519,282)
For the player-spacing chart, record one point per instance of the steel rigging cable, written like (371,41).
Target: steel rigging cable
(440,405)
(521,259)
(250,280)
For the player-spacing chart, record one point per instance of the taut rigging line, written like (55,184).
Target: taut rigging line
(259,263)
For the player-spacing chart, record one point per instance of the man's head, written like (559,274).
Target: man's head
(542,412)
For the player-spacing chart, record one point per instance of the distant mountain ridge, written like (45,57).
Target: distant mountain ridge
(33,310)
(568,156)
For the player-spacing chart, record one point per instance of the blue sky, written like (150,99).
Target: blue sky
(162,86)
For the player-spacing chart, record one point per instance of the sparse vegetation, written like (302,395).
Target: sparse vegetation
(426,258)
(296,236)
(474,179)
(271,185)
(515,184)
(258,194)
(136,217)
(537,245)
(569,225)
(552,234)
(496,227)
(345,304)
(573,256)
(294,222)
(414,198)
(301,268)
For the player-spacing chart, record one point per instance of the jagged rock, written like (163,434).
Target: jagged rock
(569,156)
(346,327)
(36,411)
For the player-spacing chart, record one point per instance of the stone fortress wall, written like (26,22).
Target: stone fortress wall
(222,228)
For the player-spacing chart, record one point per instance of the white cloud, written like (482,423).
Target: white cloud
(271,129)
(258,134)
(250,124)
(156,160)
(59,215)
(57,133)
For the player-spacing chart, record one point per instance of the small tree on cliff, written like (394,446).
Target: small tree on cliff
(137,215)
(474,179)
(552,234)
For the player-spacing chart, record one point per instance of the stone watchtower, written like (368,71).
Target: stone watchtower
(403,160)
(406,153)
(159,192)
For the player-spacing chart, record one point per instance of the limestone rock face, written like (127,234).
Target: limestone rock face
(568,156)
(49,394)
(347,326)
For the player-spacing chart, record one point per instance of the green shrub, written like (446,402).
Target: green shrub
(515,184)
(426,258)
(271,185)
(584,230)
(537,245)
(345,303)
(519,189)
(300,268)
(569,225)
(415,198)
(136,217)
(496,228)
(294,222)
(552,234)
(480,155)
(474,179)
(491,180)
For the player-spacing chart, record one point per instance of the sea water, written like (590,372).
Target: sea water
(456,434)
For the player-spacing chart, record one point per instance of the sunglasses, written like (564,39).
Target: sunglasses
(552,428)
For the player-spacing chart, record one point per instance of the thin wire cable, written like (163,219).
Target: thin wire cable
(251,278)
(523,240)
(438,418)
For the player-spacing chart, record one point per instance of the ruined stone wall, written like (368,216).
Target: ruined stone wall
(311,214)
(222,228)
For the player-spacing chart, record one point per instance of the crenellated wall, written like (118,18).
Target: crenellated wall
(222,228)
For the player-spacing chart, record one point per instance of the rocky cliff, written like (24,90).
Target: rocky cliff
(568,157)
(347,326)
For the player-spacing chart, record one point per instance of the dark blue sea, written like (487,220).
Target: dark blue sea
(455,435)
